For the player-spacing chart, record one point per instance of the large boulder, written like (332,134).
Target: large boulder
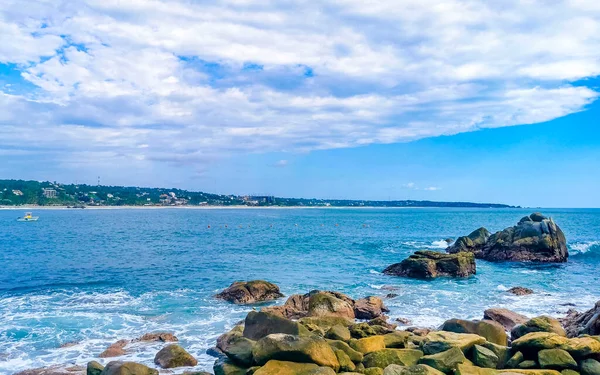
(293,348)
(224,366)
(473,243)
(431,264)
(329,304)
(411,370)
(368,344)
(484,357)
(260,324)
(490,330)
(535,238)
(557,359)
(369,308)
(275,367)
(590,367)
(587,323)
(174,356)
(445,361)
(94,368)
(440,341)
(354,355)
(239,349)
(241,292)
(507,318)
(385,357)
(538,324)
(127,368)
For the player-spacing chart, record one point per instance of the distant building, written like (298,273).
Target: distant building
(263,199)
(49,193)
(172,195)
(17,192)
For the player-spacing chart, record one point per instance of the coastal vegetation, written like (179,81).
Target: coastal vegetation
(45,193)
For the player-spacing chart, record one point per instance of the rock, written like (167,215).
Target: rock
(445,361)
(396,339)
(528,364)
(501,351)
(391,295)
(369,308)
(473,243)
(382,322)
(484,357)
(411,370)
(569,372)
(239,350)
(507,318)
(536,341)
(590,367)
(556,359)
(368,344)
(539,240)
(295,307)
(431,264)
(94,368)
(441,341)
(587,323)
(260,324)
(174,356)
(295,348)
(127,368)
(538,324)
(54,370)
(275,367)
(385,357)
(418,331)
(355,356)
(474,370)
(361,330)
(514,361)
(490,330)
(403,321)
(158,337)
(338,332)
(580,347)
(224,366)
(328,304)
(115,350)
(346,363)
(326,322)
(373,371)
(250,292)
(519,291)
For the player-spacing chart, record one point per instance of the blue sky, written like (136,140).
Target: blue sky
(431,99)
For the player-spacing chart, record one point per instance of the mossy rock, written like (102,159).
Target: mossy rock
(338,332)
(536,341)
(514,361)
(474,370)
(128,368)
(259,324)
(224,366)
(581,347)
(355,356)
(373,371)
(411,370)
(362,330)
(275,367)
(590,367)
(501,351)
(556,359)
(538,324)
(484,357)
(293,348)
(239,350)
(346,363)
(490,330)
(94,368)
(396,339)
(368,344)
(445,361)
(172,356)
(527,364)
(569,372)
(385,357)
(440,341)
(326,322)
(326,304)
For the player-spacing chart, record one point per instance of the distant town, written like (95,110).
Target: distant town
(36,193)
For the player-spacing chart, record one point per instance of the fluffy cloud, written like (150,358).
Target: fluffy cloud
(150,81)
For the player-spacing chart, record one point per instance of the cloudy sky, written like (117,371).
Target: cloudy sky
(378,99)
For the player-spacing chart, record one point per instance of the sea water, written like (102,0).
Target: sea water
(78,280)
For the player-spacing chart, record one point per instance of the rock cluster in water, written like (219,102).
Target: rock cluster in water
(534,238)
(431,264)
(246,292)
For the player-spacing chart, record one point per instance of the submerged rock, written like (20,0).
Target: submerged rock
(158,337)
(241,292)
(115,350)
(520,291)
(535,238)
(431,264)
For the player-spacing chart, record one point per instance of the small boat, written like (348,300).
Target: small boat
(28,217)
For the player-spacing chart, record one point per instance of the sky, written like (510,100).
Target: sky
(453,100)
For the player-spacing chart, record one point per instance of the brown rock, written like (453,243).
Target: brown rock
(250,292)
(158,337)
(520,291)
(115,350)
(54,370)
(369,308)
(586,323)
(507,318)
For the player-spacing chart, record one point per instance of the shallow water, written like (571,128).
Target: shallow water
(96,276)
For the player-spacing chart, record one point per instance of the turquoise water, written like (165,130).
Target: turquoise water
(96,276)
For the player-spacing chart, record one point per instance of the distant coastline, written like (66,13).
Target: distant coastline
(238,207)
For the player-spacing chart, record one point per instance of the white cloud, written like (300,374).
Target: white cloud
(432,188)
(168,81)
(282,163)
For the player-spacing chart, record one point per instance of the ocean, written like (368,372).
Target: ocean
(88,278)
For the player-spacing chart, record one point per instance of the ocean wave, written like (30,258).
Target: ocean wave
(440,244)
(580,248)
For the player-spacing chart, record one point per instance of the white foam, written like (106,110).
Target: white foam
(374,272)
(583,247)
